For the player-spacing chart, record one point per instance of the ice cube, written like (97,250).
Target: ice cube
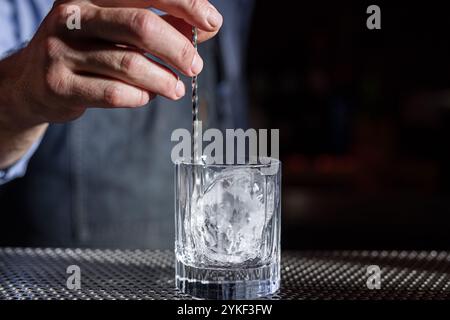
(228,218)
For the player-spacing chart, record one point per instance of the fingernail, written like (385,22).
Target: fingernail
(197,64)
(214,18)
(180,91)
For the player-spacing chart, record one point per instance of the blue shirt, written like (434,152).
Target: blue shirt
(19,20)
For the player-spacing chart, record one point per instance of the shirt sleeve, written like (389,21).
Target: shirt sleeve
(18,169)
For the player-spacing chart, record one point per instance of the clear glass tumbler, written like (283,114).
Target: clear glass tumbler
(227,241)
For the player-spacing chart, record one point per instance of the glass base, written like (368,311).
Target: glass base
(228,284)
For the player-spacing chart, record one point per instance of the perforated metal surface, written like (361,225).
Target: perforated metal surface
(116,274)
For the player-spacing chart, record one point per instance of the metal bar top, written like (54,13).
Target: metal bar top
(30,273)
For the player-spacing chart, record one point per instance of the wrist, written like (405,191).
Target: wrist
(15,114)
(19,129)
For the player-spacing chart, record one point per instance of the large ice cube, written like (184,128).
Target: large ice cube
(229,216)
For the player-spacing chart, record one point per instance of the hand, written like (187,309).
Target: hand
(62,72)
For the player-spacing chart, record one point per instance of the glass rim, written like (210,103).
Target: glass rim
(271,162)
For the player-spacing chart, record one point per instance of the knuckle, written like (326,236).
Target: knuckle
(56,82)
(168,87)
(144,99)
(62,14)
(142,24)
(113,95)
(186,55)
(53,48)
(130,63)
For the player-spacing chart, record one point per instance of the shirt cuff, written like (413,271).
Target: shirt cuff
(19,169)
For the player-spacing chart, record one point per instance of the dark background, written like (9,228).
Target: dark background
(364,117)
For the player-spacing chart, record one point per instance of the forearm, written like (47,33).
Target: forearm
(17,132)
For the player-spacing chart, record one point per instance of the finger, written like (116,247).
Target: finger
(199,13)
(147,31)
(90,91)
(186,29)
(131,67)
